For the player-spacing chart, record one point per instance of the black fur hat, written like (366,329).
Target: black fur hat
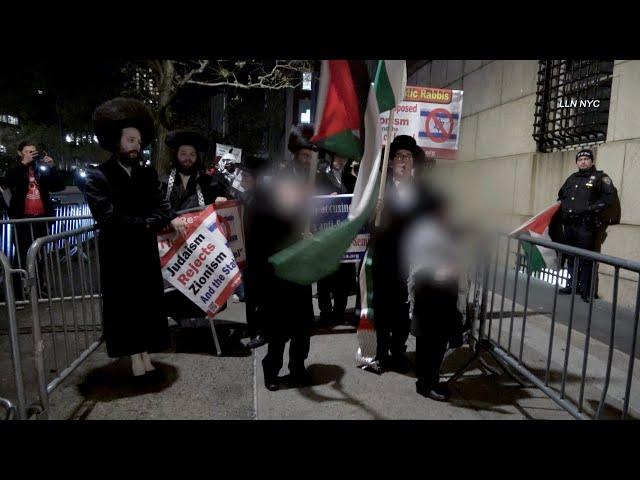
(116,114)
(187,136)
(404,142)
(300,137)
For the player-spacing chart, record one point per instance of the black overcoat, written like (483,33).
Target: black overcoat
(130,211)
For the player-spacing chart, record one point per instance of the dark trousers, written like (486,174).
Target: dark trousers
(337,285)
(25,234)
(586,237)
(392,330)
(288,316)
(253,310)
(298,352)
(430,350)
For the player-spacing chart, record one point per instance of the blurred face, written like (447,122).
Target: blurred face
(303,156)
(130,142)
(247,181)
(338,163)
(402,165)
(187,156)
(27,150)
(584,163)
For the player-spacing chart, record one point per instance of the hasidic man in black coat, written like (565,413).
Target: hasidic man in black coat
(187,185)
(276,222)
(391,310)
(330,181)
(126,200)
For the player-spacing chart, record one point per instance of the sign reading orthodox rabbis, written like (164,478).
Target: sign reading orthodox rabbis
(431,116)
(206,266)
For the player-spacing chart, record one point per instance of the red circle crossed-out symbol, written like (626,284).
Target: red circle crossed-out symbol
(442,134)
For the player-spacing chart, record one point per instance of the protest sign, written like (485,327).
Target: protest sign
(221,149)
(230,223)
(330,210)
(431,116)
(202,267)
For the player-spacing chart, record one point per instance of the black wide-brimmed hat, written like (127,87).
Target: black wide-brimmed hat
(404,142)
(110,118)
(300,137)
(187,136)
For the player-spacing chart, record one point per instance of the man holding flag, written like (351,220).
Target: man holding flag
(349,106)
(277,219)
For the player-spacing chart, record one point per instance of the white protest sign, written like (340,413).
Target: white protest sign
(431,116)
(229,221)
(222,149)
(202,267)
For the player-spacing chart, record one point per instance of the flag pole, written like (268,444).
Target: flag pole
(385,163)
(311,181)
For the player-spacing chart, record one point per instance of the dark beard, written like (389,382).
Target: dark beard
(125,159)
(193,169)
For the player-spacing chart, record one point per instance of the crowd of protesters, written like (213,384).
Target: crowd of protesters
(415,265)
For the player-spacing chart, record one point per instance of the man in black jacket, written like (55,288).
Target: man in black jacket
(389,285)
(585,195)
(129,207)
(30,183)
(187,185)
(337,285)
(277,221)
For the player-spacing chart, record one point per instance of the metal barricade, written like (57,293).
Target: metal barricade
(66,306)
(580,354)
(9,306)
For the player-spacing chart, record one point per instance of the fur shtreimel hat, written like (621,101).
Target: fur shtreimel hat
(300,137)
(110,118)
(187,136)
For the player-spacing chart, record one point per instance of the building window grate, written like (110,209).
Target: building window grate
(572,103)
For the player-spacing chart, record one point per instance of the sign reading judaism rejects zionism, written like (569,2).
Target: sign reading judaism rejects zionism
(431,116)
(203,267)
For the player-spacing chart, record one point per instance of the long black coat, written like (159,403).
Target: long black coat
(183,199)
(390,297)
(286,307)
(18,183)
(129,211)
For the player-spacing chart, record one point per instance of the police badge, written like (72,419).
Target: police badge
(606,180)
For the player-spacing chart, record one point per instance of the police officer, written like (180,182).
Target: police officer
(585,195)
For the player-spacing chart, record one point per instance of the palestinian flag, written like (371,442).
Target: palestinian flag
(539,227)
(339,130)
(391,82)
(342,101)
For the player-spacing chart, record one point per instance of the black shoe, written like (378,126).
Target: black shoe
(585,298)
(300,377)
(399,363)
(375,367)
(256,341)
(565,291)
(271,384)
(439,392)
